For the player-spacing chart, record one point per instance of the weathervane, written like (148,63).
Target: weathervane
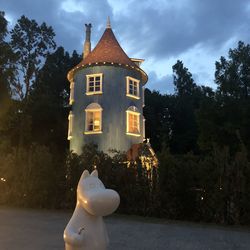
(108,23)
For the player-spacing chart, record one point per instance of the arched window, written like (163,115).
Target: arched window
(133,121)
(93,119)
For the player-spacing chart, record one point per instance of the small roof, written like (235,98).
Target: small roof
(108,51)
(141,150)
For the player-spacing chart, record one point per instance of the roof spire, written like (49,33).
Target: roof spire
(108,23)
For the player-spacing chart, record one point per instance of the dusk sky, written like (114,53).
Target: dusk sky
(197,32)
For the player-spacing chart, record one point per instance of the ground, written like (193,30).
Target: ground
(42,230)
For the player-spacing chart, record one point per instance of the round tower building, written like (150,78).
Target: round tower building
(107,97)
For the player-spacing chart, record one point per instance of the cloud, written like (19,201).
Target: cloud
(161,31)
(169,30)
(153,29)
(165,83)
(66,17)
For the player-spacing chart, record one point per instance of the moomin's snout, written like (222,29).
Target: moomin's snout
(103,202)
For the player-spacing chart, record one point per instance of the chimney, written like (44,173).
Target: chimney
(87,43)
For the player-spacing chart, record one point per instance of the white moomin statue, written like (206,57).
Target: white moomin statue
(86,229)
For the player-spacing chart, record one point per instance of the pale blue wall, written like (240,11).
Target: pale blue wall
(114,103)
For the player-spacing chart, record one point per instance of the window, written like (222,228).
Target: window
(132,87)
(94,84)
(143,127)
(70,126)
(71,97)
(93,119)
(133,121)
(143,96)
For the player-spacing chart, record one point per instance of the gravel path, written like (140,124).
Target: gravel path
(42,230)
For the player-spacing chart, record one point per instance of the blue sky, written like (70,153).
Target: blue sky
(197,32)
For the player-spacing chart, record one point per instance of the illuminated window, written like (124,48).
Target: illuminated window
(133,121)
(94,84)
(143,96)
(143,128)
(93,119)
(71,97)
(132,87)
(70,126)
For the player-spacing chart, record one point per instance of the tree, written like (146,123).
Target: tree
(171,119)
(233,78)
(233,74)
(184,132)
(7,69)
(156,113)
(48,102)
(224,120)
(7,74)
(183,81)
(31,43)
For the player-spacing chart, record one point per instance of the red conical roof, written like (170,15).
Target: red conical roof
(108,51)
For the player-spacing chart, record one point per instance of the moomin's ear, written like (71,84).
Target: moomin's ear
(85,174)
(94,173)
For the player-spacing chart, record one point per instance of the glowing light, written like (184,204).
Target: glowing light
(202,198)
(133,96)
(96,122)
(3,179)
(137,135)
(92,132)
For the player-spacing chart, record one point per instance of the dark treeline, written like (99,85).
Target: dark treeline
(201,136)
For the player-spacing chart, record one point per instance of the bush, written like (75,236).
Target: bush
(31,176)
(212,188)
(131,183)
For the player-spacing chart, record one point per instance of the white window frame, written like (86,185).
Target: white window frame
(133,111)
(94,92)
(72,90)
(136,83)
(70,125)
(93,108)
